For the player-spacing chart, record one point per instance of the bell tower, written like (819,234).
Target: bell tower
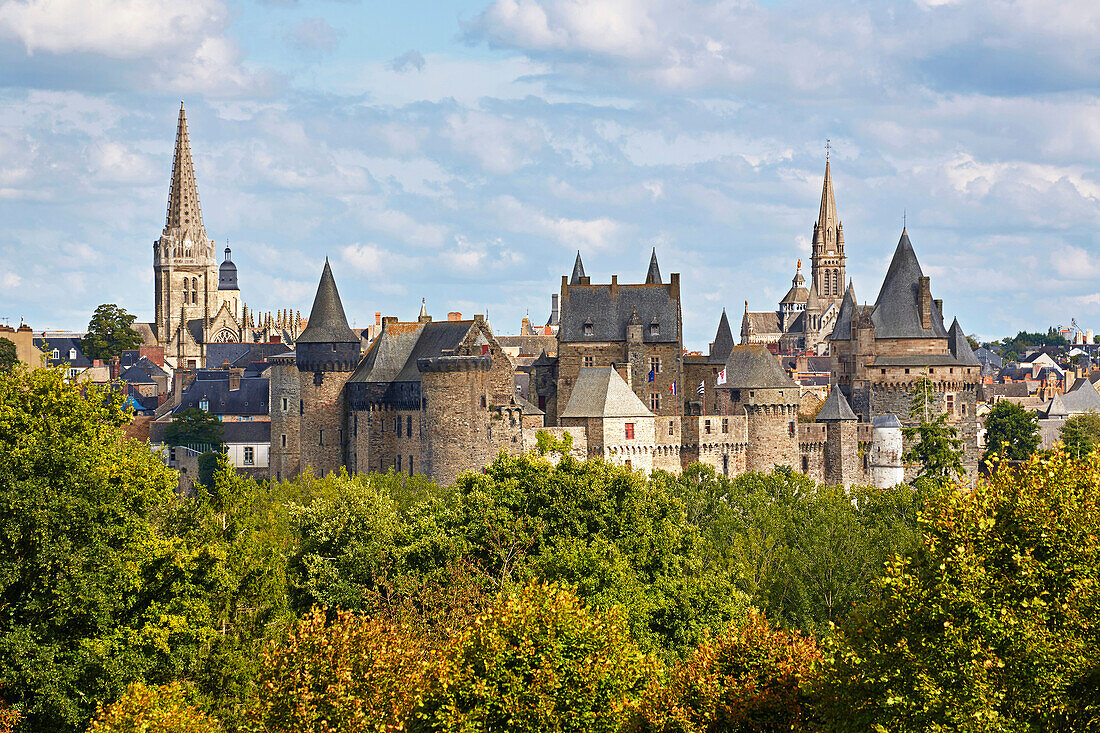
(185,268)
(827,276)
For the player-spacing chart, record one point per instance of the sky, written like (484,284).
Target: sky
(463,151)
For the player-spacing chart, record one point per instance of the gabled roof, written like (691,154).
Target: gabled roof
(1082,398)
(959,346)
(760,322)
(601,392)
(842,329)
(327,322)
(135,375)
(1056,408)
(723,339)
(653,276)
(897,309)
(213,386)
(578,271)
(754,367)
(609,310)
(393,354)
(835,408)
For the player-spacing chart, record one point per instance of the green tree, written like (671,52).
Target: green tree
(164,709)
(1081,434)
(194,427)
(92,595)
(934,444)
(110,332)
(1011,432)
(991,624)
(8,359)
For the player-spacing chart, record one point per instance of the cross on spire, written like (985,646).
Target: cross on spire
(828,149)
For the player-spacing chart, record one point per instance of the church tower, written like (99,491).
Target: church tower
(827,262)
(185,267)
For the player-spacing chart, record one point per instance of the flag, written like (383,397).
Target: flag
(672,388)
(702,387)
(652,375)
(722,376)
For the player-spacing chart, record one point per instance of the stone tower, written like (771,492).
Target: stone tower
(185,268)
(326,354)
(842,467)
(286,407)
(828,260)
(229,291)
(762,391)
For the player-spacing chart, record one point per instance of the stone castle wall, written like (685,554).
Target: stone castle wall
(323,421)
(284,401)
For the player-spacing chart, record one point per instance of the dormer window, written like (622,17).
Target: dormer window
(204,405)
(655,329)
(72,354)
(56,354)
(588,327)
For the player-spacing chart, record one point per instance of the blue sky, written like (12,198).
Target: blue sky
(463,151)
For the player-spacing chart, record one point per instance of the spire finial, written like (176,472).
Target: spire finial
(903,220)
(828,149)
(799,265)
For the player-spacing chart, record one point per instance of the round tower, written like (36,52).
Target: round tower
(325,354)
(285,402)
(762,391)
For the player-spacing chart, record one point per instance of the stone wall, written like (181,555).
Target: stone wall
(772,421)
(812,439)
(323,421)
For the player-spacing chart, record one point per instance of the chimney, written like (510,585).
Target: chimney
(389,320)
(235,379)
(554,308)
(378,318)
(674,285)
(275,339)
(614,286)
(924,301)
(479,318)
(454,316)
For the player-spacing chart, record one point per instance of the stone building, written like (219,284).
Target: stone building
(701,372)
(197,300)
(879,352)
(806,315)
(634,328)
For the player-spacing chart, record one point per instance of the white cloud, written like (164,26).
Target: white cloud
(585,234)
(499,145)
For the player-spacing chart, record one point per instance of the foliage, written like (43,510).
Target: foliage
(91,592)
(934,444)
(1023,341)
(1081,434)
(749,678)
(539,660)
(547,443)
(8,358)
(110,332)
(194,427)
(991,625)
(1011,432)
(803,553)
(164,709)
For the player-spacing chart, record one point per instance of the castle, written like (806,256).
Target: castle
(440,397)
(197,301)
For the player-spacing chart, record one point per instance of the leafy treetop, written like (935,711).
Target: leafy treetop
(110,332)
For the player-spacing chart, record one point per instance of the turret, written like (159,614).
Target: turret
(759,388)
(327,344)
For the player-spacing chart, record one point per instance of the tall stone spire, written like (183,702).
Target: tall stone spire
(653,277)
(827,219)
(184,219)
(828,261)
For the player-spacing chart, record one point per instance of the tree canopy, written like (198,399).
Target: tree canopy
(194,427)
(1081,433)
(8,358)
(110,332)
(1011,432)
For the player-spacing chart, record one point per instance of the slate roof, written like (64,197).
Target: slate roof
(136,375)
(601,392)
(609,315)
(392,355)
(897,309)
(986,356)
(578,271)
(1056,408)
(1012,389)
(842,329)
(327,322)
(63,344)
(250,399)
(754,367)
(653,275)
(723,339)
(885,421)
(530,344)
(835,408)
(1083,397)
(960,347)
(760,322)
(217,354)
(252,431)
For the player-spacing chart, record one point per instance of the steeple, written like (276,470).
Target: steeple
(578,271)
(827,219)
(184,218)
(653,277)
(827,263)
(423,308)
(723,339)
(327,322)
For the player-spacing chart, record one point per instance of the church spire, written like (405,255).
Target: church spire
(184,215)
(828,261)
(653,277)
(827,219)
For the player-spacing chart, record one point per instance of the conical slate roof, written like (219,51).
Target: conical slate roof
(960,347)
(835,408)
(754,367)
(842,330)
(327,322)
(653,277)
(184,217)
(723,339)
(601,392)
(578,271)
(897,309)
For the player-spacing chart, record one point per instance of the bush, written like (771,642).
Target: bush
(162,709)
